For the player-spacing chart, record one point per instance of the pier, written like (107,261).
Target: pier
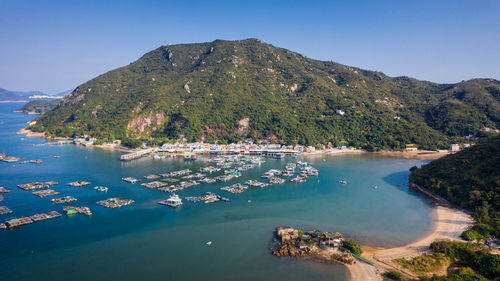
(136,154)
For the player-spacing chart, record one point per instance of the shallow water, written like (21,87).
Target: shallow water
(152,242)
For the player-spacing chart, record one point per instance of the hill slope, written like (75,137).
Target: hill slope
(231,90)
(469,178)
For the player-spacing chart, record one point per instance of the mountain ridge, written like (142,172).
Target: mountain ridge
(231,90)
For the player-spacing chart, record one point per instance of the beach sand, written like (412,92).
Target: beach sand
(448,225)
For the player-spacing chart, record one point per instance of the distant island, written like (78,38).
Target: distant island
(230,91)
(39,106)
(20,96)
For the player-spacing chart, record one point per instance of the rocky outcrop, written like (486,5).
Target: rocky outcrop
(137,126)
(325,246)
(243,126)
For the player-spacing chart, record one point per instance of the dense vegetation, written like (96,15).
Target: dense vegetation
(39,106)
(352,246)
(471,180)
(468,262)
(230,90)
(475,264)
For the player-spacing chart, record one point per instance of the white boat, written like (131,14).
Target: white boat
(173,201)
(209,243)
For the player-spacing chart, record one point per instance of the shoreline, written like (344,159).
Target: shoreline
(421,154)
(449,223)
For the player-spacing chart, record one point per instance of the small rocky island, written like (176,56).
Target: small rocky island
(326,246)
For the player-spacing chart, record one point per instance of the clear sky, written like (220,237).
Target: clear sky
(56,45)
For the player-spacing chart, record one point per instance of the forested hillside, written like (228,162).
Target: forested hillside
(227,91)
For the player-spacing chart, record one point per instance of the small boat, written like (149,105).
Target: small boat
(173,201)
(209,243)
(375,187)
(343,182)
(188,156)
(279,156)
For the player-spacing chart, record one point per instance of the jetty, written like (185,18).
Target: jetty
(136,154)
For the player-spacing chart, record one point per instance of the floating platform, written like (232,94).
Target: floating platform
(115,202)
(45,193)
(79,183)
(5,210)
(63,200)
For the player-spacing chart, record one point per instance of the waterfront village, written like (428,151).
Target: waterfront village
(219,168)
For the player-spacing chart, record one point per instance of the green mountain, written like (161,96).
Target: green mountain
(470,179)
(231,90)
(39,106)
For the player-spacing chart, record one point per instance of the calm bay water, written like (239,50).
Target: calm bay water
(147,241)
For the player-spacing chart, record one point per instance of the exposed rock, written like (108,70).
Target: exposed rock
(294,87)
(325,246)
(138,125)
(186,87)
(73,98)
(243,126)
(94,112)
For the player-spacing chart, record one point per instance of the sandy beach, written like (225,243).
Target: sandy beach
(448,225)
(361,271)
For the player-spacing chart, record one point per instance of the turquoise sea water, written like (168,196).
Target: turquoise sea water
(148,241)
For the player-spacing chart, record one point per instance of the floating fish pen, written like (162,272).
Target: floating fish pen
(151,177)
(255,183)
(13,223)
(77,210)
(101,188)
(5,210)
(115,202)
(276,180)
(45,216)
(170,180)
(154,184)
(235,188)
(45,193)
(33,186)
(63,200)
(207,180)
(3,190)
(176,173)
(79,183)
(130,179)
(209,197)
(32,161)
(209,170)
(172,188)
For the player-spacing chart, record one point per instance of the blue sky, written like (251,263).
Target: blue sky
(56,45)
